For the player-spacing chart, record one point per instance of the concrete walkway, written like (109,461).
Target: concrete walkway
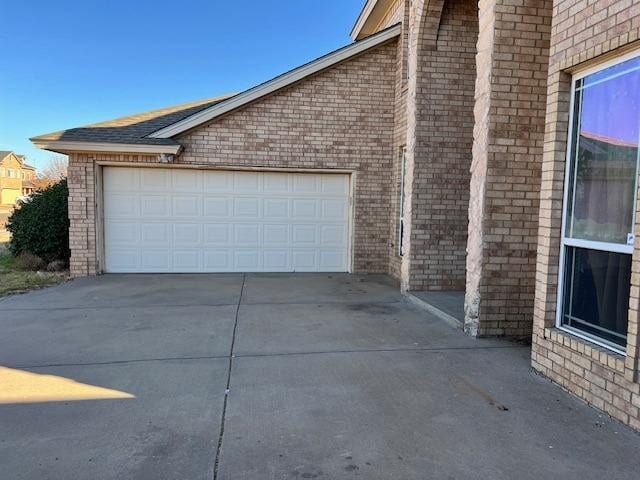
(331,377)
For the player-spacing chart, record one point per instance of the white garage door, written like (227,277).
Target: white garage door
(184,220)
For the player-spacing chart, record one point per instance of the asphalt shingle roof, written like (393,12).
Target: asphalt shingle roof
(132,129)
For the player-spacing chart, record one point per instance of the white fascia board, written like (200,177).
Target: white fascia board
(276,84)
(362,18)
(67,146)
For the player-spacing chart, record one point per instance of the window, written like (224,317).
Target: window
(403,168)
(600,204)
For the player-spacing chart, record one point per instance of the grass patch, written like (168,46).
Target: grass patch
(13,280)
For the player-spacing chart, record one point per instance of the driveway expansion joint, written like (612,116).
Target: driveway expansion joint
(216,463)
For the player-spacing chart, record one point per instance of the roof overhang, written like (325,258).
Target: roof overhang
(61,146)
(370,17)
(277,83)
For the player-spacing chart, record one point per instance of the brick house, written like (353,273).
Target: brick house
(488,148)
(16,177)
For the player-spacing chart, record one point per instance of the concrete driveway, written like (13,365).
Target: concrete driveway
(332,377)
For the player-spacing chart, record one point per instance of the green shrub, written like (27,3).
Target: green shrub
(41,225)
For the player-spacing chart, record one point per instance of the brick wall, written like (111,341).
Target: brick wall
(582,33)
(340,118)
(399,12)
(442,74)
(507,154)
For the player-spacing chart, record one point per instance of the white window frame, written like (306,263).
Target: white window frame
(590,244)
(401,229)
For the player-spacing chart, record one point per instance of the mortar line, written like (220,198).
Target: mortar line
(216,463)
(267,355)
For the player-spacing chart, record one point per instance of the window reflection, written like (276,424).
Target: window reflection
(605,156)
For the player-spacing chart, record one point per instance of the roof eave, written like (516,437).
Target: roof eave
(62,146)
(277,83)
(372,15)
(362,18)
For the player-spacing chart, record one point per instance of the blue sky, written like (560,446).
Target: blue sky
(68,63)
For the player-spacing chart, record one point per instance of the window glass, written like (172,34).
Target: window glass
(600,204)
(596,299)
(605,154)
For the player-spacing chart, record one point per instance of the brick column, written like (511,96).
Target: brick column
(512,60)
(442,39)
(82,234)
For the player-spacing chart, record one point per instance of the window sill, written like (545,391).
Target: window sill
(602,355)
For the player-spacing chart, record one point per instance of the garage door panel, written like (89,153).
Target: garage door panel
(187,181)
(125,233)
(187,233)
(154,179)
(121,179)
(247,182)
(246,207)
(217,260)
(276,183)
(218,182)
(247,234)
(304,260)
(218,207)
(122,260)
(185,206)
(334,235)
(305,234)
(155,234)
(334,210)
(303,183)
(331,259)
(154,205)
(305,209)
(217,234)
(247,261)
(121,205)
(155,260)
(276,260)
(335,185)
(275,208)
(179,220)
(186,260)
(275,235)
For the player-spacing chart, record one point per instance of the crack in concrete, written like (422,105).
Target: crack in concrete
(278,354)
(178,305)
(216,463)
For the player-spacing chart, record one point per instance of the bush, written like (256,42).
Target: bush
(28,261)
(41,226)
(56,266)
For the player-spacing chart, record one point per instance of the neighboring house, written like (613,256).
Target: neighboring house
(28,176)
(16,177)
(484,147)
